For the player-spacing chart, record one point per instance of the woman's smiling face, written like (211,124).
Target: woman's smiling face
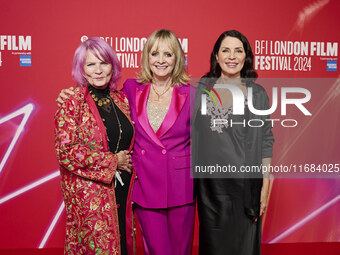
(231,57)
(161,60)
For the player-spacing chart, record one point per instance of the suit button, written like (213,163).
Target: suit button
(136,177)
(143,152)
(164,151)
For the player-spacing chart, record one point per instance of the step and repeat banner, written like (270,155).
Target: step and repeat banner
(295,43)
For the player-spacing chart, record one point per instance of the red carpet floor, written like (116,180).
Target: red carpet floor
(267,249)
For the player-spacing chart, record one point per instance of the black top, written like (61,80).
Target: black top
(109,116)
(110,121)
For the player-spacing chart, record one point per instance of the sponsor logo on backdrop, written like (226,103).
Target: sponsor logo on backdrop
(332,65)
(291,55)
(18,45)
(25,60)
(129,49)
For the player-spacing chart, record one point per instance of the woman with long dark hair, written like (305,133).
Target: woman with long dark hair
(230,203)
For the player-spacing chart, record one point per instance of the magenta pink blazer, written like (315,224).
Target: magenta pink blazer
(161,159)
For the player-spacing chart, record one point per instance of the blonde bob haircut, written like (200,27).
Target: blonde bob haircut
(179,75)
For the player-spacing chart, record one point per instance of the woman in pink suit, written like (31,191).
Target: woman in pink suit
(163,191)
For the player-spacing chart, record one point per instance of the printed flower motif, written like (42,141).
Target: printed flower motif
(103,242)
(80,155)
(99,225)
(85,118)
(71,220)
(64,137)
(90,224)
(94,204)
(81,249)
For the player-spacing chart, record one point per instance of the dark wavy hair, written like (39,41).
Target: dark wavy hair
(247,71)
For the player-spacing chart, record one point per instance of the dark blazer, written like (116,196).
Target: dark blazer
(259,142)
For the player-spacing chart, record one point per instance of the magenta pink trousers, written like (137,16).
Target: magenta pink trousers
(167,231)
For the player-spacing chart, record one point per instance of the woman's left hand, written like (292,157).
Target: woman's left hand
(265,187)
(124,161)
(264,200)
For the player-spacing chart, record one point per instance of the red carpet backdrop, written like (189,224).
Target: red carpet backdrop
(296,44)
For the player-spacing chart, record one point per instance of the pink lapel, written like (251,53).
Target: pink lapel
(142,115)
(175,108)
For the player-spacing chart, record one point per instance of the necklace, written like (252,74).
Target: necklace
(159,95)
(119,125)
(101,101)
(104,103)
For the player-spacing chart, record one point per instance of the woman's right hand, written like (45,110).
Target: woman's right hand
(124,161)
(64,94)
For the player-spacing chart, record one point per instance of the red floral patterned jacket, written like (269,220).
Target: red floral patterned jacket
(87,170)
